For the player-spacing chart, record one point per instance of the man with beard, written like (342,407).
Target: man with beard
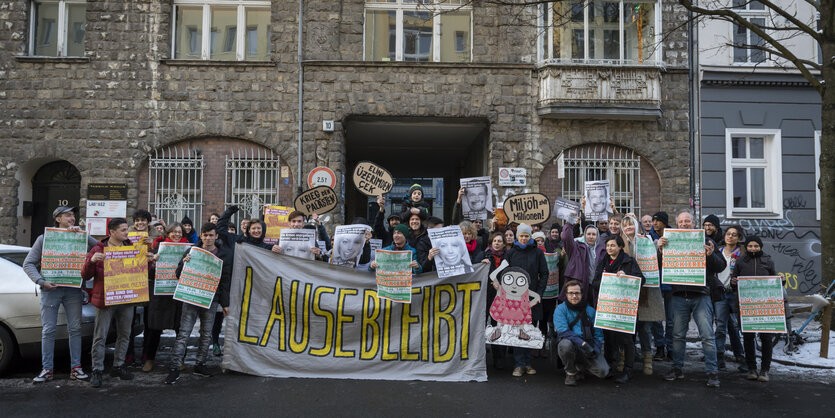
(580,344)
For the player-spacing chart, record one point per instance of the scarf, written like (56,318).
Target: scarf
(471,246)
(592,251)
(613,266)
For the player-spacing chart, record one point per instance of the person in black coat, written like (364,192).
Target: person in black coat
(254,234)
(616,261)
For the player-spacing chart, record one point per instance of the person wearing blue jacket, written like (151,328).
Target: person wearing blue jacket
(580,344)
(399,244)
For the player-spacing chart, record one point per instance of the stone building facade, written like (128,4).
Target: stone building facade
(136,100)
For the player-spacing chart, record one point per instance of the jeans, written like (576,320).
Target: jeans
(701,309)
(575,361)
(51,301)
(726,325)
(766,341)
(189,317)
(645,336)
(668,326)
(521,357)
(216,328)
(123,314)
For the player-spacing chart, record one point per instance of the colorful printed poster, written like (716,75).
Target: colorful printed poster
(125,275)
(761,304)
(394,276)
(137,238)
(617,303)
(552,288)
(684,257)
(199,278)
(276,219)
(297,243)
(63,256)
(647,257)
(165,277)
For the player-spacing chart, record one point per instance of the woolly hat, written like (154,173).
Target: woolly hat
(523,229)
(754,238)
(415,187)
(712,219)
(401,228)
(556,226)
(663,217)
(538,234)
(187,220)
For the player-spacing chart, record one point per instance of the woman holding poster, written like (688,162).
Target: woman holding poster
(725,311)
(755,263)
(618,262)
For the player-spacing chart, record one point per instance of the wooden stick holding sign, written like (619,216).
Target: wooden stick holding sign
(318,200)
(371,179)
(529,208)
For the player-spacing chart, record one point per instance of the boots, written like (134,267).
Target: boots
(648,364)
(621,361)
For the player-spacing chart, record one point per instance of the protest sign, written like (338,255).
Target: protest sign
(563,209)
(761,304)
(298,242)
(165,277)
(276,219)
(348,241)
(62,256)
(394,276)
(453,258)
(647,257)
(293,318)
(552,288)
(137,238)
(597,200)
(529,208)
(323,246)
(375,244)
(477,201)
(125,275)
(617,303)
(371,179)
(318,200)
(199,278)
(683,259)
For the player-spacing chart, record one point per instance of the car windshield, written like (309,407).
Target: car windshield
(15,257)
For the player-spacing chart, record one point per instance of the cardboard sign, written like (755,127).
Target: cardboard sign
(318,200)
(371,179)
(529,208)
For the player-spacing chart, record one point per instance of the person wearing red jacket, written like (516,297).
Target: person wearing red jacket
(123,314)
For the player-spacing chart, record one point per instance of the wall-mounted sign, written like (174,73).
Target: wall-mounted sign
(512,176)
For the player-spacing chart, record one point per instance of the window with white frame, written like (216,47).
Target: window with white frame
(600,32)
(418,30)
(753,173)
(57,28)
(818,174)
(230,30)
(744,40)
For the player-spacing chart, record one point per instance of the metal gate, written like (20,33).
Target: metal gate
(175,185)
(621,166)
(251,182)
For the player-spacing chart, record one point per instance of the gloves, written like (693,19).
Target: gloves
(588,351)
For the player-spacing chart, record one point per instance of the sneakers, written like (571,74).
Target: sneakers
(77,373)
(95,380)
(763,376)
(148,366)
(713,380)
(530,370)
(518,372)
(660,354)
(622,378)
(570,379)
(674,374)
(121,372)
(752,375)
(216,350)
(44,376)
(173,376)
(202,370)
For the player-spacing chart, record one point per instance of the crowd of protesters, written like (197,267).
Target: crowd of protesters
(585,249)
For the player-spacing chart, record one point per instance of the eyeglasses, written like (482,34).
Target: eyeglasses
(573,293)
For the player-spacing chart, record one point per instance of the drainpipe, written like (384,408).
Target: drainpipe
(301,100)
(695,114)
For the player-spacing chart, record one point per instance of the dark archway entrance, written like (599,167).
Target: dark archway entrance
(55,184)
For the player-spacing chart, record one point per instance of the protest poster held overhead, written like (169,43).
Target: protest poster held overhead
(346,331)
(453,258)
(318,200)
(597,200)
(394,275)
(511,309)
(371,179)
(275,217)
(529,208)
(564,208)
(647,258)
(477,202)
(125,275)
(165,276)
(761,304)
(617,303)
(348,241)
(298,242)
(684,257)
(63,256)
(199,278)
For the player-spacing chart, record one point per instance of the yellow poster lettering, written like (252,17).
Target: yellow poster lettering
(370,321)
(329,321)
(276,314)
(468,289)
(247,293)
(387,355)
(299,347)
(341,318)
(445,316)
(405,320)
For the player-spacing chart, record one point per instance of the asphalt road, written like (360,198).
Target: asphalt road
(503,395)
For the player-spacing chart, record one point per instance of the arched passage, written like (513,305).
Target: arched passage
(54,184)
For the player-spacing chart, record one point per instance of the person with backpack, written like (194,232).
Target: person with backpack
(580,344)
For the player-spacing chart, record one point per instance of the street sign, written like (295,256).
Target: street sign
(512,176)
(321,176)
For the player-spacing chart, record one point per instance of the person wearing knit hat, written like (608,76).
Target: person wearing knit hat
(660,221)
(539,238)
(523,229)
(712,227)
(552,239)
(413,204)
(399,244)
(188,230)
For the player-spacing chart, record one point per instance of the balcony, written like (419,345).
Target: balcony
(599,92)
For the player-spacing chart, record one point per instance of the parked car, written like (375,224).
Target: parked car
(20,311)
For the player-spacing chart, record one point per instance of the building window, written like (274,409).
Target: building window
(621,166)
(753,173)
(418,30)
(252,181)
(588,32)
(230,30)
(744,40)
(57,28)
(175,184)
(818,174)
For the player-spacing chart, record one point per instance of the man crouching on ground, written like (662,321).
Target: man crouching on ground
(580,344)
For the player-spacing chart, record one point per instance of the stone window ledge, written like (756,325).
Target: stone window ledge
(59,60)
(410,64)
(217,63)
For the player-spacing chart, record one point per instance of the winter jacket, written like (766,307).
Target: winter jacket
(380,230)
(623,262)
(96,272)
(163,311)
(406,209)
(563,316)
(234,239)
(715,263)
(532,260)
(578,266)
(160,239)
(32,263)
(754,266)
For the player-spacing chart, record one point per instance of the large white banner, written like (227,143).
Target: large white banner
(291,317)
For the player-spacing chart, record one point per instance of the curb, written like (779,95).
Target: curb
(796,364)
